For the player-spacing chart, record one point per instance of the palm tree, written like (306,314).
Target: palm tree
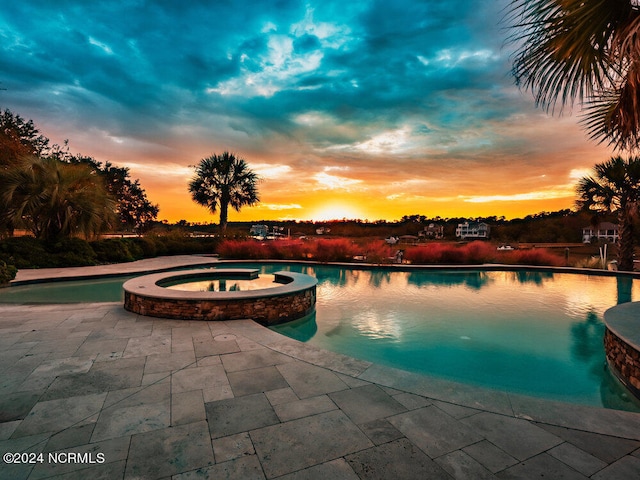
(615,187)
(54,199)
(584,50)
(223,180)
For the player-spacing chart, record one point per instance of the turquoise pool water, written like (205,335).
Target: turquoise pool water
(528,332)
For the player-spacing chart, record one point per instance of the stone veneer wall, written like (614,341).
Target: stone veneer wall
(268,310)
(624,360)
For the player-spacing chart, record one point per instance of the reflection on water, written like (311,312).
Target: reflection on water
(537,333)
(474,280)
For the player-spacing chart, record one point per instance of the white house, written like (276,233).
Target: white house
(605,231)
(472,230)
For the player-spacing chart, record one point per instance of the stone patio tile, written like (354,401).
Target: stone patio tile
(456,411)
(245,468)
(463,467)
(264,357)
(236,415)
(626,468)
(282,395)
(380,431)
(122,419)
(70,437)
(541,466)
(304,408)
(433,431)
(210,360)
(606,448)
(105,471)
(7,429)
(493,458)
(49,369)
(198,378)
(605,421)
(353,382)
(103,377)
(232,447)
(168,451)
(214,394)
(256,380)
(411,401)
(310,381)
(294,445)
(519,438)
(436,388)
(56,415)
(397,460)
(16,406)
(115,450)
(68,346)
(364,404)
(27,444)
(132,397)
(91,347)
(337,469)
(169,362)
(205,348)
(187,407)
(150,345)
(577,459)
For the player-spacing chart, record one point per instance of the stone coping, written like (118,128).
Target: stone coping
(624,321)
(604,421)
(150,286)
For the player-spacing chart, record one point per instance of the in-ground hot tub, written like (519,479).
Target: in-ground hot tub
(291,296)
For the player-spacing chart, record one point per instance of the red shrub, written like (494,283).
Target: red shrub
(378,252)
(335,250)
(536,256)
(243,249)
(480,252)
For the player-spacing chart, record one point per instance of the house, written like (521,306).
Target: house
(604,231)
(432,231)
(259,231)
(472,230)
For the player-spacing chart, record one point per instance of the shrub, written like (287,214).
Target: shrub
(112,250)
(378,252)
(535,256)
(7,272)
(335,250)
(71,252)
(240,249)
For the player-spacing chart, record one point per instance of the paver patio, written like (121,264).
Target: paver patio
(171,399)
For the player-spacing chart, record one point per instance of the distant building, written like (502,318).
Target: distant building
(605,231)
(259,231)
(472,230)
(432,231)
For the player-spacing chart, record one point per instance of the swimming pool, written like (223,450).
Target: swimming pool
(535,333)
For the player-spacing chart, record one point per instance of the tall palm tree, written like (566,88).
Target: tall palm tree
(223,180)
(615,188)
(54,199)
(584,50)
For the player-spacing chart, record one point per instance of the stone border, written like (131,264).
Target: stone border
(293,299)
(622,344)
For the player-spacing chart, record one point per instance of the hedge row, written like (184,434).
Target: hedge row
(28,252)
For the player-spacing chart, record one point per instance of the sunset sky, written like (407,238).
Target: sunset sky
(360,109)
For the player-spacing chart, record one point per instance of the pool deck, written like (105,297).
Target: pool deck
(152,398)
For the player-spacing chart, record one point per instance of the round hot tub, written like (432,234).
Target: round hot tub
(222,294)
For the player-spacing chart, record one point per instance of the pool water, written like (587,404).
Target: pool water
(534,333)
(226,284)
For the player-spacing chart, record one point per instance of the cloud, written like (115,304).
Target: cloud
(357,98)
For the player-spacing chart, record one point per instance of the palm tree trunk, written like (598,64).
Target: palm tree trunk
(626,241)
(224,212)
